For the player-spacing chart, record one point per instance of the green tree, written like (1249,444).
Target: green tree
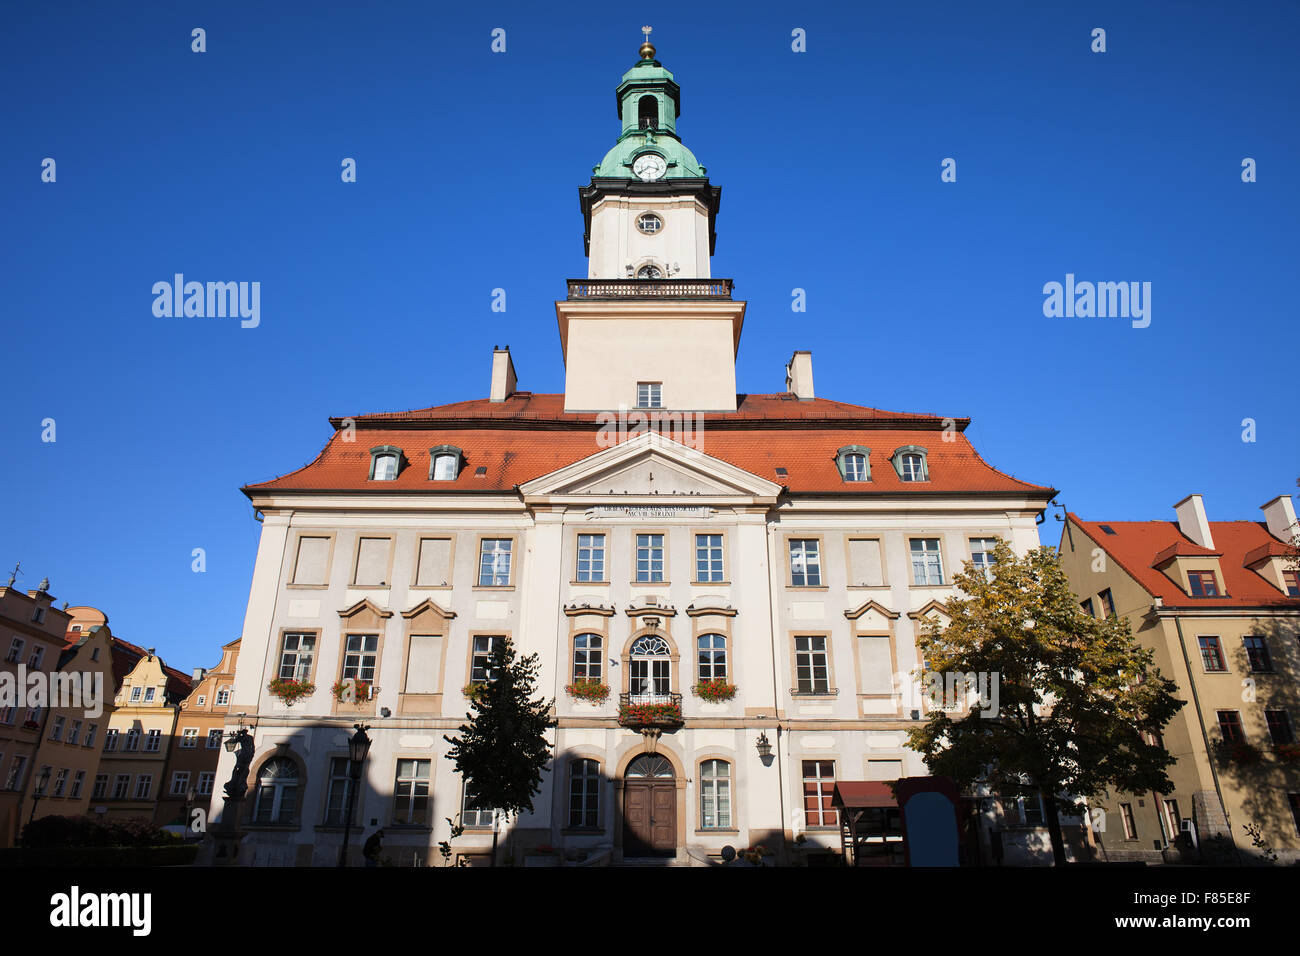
(1076,696)
(503,750)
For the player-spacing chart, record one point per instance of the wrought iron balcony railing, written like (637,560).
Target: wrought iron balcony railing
(649,288)
(648,710)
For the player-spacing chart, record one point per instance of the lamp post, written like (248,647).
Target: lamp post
(358,748)
(41,784)
(189,803)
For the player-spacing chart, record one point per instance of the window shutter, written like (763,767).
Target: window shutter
(422,661)
(435,563)
(876,674)
(312,555)
(864,562)
(372,562)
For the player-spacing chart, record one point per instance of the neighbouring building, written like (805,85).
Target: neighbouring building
(744,574)
(134,760)
(74,730)
(31,640)
(1219,603)
(192,763)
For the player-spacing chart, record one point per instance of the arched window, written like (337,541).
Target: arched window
(647,109)
(910,463)
(854,463)
(650,668)
(649,766)
(649,272)
(445,462)
(276,799)
(587,656)
(584,794)
(712,657)
(385,463)
(715,795)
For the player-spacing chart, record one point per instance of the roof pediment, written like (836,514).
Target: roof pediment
(650,466)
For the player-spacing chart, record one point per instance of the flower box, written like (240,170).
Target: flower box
(716,691)
(352,691)
(1288,753)
(589,690)
(652,714)
(289,690)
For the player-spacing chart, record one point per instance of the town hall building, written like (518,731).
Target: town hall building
(724,587)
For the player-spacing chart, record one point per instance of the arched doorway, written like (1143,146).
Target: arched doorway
(649,808)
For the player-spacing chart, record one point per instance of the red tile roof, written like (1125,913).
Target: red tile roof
(1137,546)
(125,657)
(529,436)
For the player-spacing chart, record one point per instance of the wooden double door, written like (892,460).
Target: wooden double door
(649,809)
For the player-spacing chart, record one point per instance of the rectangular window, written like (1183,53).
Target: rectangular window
(296,656)
(14,780)
(812,668)
(1257,653)
(434,564)
(223,697)
(7,715)
(149,695)
(1031,810)
(805,563)
(927,563)
(151,741)
(56,728)
(649,395)
(189,738)
(473,814)
(132,740)
(214,739)
(135,694)
(494,563)
(424,664)
(981,554)
(78,781)
(121,786)
(818,789)
(206,779)
(1203,583)
(372,562)
(110,741)
(584,794)
(1291,580)
(100,790)
(591,557)
(1172,818)
(180,783)
(74,732)
(1108,602)
(336,799)
(15,651)
(866,568)
(708,558)
(1130,825)
(411,793)
(143,786)
(1088,608)
(90,735)
(1279,727)
(37,659)
(360,656)
(311,568)
(480,668)
(649,558)
(60,781)
(1212,654)
(1230,727)
(715,795)
(587,657)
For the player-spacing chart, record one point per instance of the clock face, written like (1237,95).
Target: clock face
(649,167)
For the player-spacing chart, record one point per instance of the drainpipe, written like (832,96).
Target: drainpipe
(1214,773)
(776,683)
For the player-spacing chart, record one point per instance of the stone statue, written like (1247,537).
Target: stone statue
(237,788)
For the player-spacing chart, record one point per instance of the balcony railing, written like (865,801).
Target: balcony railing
(650,288)
(650,710)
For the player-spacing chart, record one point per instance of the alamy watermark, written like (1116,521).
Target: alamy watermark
(1103,300)
(950,691)
(626,423)
(62,689)
(213,300)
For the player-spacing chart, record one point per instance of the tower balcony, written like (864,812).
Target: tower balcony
(582,289)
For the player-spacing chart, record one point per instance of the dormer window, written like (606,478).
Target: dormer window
(1202,584)
(853,461)
(385,463)
(445,463)
(909,462)
(1292,581)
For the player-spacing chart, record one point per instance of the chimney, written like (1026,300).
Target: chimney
(1279,515)
(1192,521)
(798,376)
(503,374)
(199,673)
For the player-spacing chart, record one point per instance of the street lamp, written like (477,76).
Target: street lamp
(41,784)
(358,748)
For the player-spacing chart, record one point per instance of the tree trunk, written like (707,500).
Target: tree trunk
(1054,828)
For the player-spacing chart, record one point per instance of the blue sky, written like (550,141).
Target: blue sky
(376,296)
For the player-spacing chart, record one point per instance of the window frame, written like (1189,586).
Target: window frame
(362,653)
(276,809)
(896,459)
(1265,659)
(588,817)
(823,794)
(1196,583)
(830,690)
(654,390)
(386,582)
(665,572)
(1238,735)
(713,665)
(705,779)
(296,632)
(410,798)
(941,552)
(663,224)
(380,451)
(1218,651)
(446,451)
(512,568)
(599,651)
(1284,723)
(293,581)
(788,542)
(578,535)
(474,637)
(842,463)
(450,538)
(723,552)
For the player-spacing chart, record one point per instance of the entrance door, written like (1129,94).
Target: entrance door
(649,808)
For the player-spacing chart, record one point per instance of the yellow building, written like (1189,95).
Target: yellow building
(1219,603)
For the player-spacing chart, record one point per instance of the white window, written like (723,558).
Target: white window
(649,223)
(708,558)
(203,699)
(60,781)
(296,656)
(649,558)
(715,795)
(214,739)
(712,657)
(37,659)
(588,657)
(981,554)
(480,665)
(90,735)
(180,783)
(143,786)
(494,562)
(444,467)
(189,738)
(152,740)
(276,797)
(584,794)
(909,462)
(927,563)
(818,791)
(14,780)
(340,788)
(359,658)
(149,695)
(384,467)
(100,790)
(56,728)
(74,733)
(121,786)
(855,467)
(591,557)
(650,680)
(473,814)
(78,781)
(206,779)
(110,741)
(811,665)
(223,697)
(650,394)
(805,563)
(135,694)
(132,740)
(411,793)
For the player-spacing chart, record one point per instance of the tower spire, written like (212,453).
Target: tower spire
(647,48)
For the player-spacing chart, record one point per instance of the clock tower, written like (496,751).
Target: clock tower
(649,324)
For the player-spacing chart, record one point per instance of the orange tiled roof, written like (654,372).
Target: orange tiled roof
(1138,546)
(528,436)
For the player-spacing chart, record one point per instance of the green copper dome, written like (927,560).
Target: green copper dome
(649,102)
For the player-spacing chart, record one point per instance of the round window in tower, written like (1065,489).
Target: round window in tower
(649,223)
(649,272)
